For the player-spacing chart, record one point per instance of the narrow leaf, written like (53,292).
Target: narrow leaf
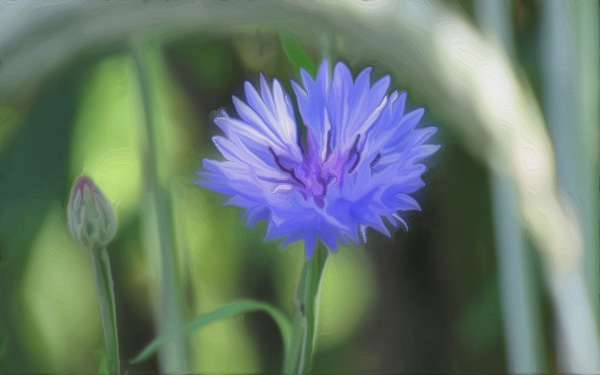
(227,311)
(297,55)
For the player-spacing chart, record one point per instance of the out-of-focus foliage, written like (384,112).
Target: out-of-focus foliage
(60,325)
(426,300)
(106,138)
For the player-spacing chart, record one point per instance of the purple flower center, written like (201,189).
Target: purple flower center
(313,176)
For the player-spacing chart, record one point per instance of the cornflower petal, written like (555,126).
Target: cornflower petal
(363,160)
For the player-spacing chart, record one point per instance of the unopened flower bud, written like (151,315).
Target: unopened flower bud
(90,214)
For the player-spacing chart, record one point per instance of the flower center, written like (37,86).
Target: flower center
(313,176)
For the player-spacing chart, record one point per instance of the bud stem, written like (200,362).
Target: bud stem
(106,301)
(299,355)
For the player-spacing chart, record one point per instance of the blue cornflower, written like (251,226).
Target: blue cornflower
(358,163)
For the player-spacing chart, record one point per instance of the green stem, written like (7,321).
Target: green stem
(173,356)
(299,355)
(106,301)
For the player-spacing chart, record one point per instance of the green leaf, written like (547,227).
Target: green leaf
(227,311)
(297,55)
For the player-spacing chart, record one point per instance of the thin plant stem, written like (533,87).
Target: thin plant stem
(587,27)
(570,52)
(299,356)
(106,301)
(173,356)
(520,300)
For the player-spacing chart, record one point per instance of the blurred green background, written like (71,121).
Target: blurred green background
(426,300)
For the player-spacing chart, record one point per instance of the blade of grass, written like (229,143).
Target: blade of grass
(570,53)
(570,48)
(173,357)
(587,28)
(228,311)
(520,300)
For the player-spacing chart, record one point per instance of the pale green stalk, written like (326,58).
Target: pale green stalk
(570,54)
(298,358)
(106,301)
(173,355)
(587,28)
(520,300)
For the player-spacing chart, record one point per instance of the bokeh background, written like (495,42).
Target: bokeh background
(438,298)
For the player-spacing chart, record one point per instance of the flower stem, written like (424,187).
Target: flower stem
(299,355)
(106,301)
